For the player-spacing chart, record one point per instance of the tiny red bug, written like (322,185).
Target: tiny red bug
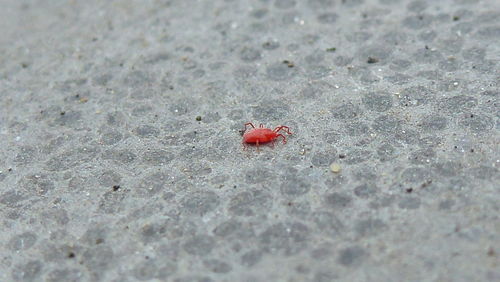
(262,135)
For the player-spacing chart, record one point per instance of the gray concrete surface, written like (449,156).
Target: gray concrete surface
(108,173)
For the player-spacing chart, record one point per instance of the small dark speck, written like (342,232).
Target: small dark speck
(426,183)
(116,187)
(94,39)
(171,87)
(426,47)
(71,255)
(77,96)
(10,169)
(198,118)
(372,60)
(342,156)
(62,113)
(491,252)
(99,241)
(146,257)
(24,65)
(420,17)
(471,115)
(234,186)
(364,16)
(472,150)
(241,131)
(456,147)
(288,63)
(311,166)
(409,190)
(331,50)
(456,18)
(290,204)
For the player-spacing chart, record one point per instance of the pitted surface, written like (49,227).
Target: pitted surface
(121,155)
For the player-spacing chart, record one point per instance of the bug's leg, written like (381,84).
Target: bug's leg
(261,125)
(247,124)
(284,128)
(257,143)
(284,138)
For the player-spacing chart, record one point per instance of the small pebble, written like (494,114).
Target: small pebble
(335,168)
(198,118)
(289,63)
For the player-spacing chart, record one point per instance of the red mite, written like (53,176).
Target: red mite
(263,135)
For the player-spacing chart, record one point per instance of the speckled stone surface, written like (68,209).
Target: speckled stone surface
(121,155)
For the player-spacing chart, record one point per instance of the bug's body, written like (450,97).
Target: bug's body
(262,135)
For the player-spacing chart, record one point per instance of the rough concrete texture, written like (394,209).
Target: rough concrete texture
(121,155)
